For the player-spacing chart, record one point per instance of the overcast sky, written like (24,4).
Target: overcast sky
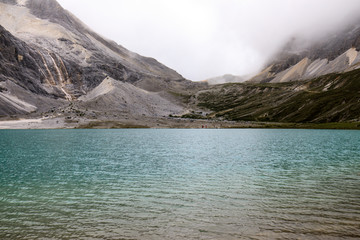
(201,39)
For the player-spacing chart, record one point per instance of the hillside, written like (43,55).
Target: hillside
(316,84)
(336,53)
(329,98)
(53,67)
(49,58)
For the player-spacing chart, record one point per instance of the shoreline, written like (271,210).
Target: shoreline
(164,122)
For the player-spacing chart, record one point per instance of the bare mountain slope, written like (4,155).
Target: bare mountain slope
(337,53)
(130,100)
(316,84)
(23,88)
(49,53)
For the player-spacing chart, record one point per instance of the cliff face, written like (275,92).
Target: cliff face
(18,62)
(22,79)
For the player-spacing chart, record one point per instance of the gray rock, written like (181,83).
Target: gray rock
(59,58)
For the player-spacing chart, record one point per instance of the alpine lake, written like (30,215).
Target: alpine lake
(180,184)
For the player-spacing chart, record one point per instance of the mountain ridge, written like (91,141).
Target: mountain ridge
(69,37)
(337,53)
(50,53)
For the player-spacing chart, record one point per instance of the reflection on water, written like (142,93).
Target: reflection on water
(179,184)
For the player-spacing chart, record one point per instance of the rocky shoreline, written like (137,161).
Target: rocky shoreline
(165,122)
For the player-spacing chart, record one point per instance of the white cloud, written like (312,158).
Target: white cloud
(207,38)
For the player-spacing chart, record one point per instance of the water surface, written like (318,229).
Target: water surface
(179,184)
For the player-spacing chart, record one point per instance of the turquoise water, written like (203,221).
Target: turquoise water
(179,184)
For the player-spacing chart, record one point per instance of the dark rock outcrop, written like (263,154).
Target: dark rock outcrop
(19,63)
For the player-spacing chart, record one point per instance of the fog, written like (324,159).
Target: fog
(206,38)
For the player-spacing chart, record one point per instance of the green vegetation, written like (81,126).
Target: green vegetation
(193,116)
(326,99)
(184,96)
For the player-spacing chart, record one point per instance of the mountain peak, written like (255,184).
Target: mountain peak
(50,10)
(49,6)
(47,53)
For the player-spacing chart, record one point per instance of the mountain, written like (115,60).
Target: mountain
(49,58)
(21,87)
(316,84)
(330,98)
(227,78)
(54,67)
(335,54)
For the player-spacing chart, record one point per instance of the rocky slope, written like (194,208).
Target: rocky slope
(22,80)
(53,66)
(335,54)
(129,100)
(52,58)
(316,84)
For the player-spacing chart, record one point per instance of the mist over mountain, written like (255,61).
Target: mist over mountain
(208,38)
(302,57)
(336,53)
(306,81)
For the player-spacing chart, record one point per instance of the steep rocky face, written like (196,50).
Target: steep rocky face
(29,69)
(50,10)
(38,70)
(23,79)
(337,53)
(18,62)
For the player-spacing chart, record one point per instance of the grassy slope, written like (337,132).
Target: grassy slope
(329,98)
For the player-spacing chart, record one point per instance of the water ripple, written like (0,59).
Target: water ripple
(179,184)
